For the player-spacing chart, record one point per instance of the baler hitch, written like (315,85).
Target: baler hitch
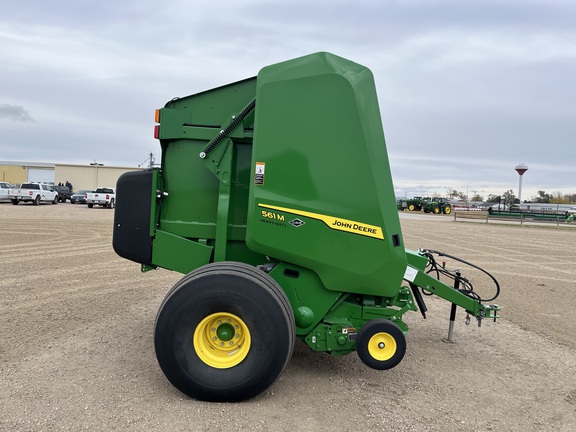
(460,284)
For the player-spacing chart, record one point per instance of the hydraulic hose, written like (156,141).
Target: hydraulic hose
(466,285)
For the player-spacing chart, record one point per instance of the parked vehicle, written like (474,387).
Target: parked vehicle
(437,206)
(105,197)
(64,192)
(4,186)
(34,193)
(417,203)
(79,196)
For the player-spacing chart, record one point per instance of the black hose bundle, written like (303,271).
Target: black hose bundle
(464,286)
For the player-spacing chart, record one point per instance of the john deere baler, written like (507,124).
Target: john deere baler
(274,198)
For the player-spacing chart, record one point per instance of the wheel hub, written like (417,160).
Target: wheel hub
(225,332)
(382,346)
(222,340)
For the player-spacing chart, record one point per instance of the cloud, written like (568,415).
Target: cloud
(467,89)
(14,113)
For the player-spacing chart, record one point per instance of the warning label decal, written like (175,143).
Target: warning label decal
(259,173)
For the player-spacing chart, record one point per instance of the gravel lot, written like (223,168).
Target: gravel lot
(76,349)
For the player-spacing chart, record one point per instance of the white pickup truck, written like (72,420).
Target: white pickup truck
(105,197)
(4,186)
(34,193)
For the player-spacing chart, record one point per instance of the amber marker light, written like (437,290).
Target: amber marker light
(157,127)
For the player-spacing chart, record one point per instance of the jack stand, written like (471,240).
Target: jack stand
(450,338)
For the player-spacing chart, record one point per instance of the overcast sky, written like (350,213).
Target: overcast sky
(467,89)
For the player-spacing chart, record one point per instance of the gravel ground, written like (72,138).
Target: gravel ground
(76,349)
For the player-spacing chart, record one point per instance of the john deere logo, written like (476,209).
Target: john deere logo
(297,222)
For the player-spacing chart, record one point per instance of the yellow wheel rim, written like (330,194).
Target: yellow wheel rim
(436,210)
(222,340)
(382,346)
(411,207)
(447,210)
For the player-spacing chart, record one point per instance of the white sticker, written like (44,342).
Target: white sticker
(259,173)
(410,273)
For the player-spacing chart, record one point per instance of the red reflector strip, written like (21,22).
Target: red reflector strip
(107,196)
(30,193)
(157,131)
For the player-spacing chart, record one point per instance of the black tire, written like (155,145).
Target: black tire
(37,200)
(90,205)
(184,334)
(72,202)
(112,204)
(381,344)
(15,201)
(447,209)
(55,200)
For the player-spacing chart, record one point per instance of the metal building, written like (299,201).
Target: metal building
(81,176)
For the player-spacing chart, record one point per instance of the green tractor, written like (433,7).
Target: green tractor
(438,206)
(275,201)
(416,203)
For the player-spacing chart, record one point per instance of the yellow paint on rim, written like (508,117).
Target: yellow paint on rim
(382,346)
(222,340)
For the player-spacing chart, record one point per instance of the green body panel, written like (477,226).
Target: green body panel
(178,253)
(202,203)
(310,300)
(318,131)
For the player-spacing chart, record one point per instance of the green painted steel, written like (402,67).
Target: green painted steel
(207,205)
(531,215)
(326,201)
(289,171)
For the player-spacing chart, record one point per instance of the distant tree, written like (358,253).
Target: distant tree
(554,198)
(542,197)
(477,197)
(493,198)
(559,198)
(454,194)
(509,197)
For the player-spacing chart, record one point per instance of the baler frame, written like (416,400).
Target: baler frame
(263,267)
